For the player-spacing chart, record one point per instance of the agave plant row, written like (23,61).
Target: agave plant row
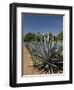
(47,54)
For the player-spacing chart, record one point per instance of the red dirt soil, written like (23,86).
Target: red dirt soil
(27,63)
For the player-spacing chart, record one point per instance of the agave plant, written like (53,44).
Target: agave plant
(46,55)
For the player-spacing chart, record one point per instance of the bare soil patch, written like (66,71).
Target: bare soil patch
(28,68)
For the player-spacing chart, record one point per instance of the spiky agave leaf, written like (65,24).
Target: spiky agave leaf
(46,55)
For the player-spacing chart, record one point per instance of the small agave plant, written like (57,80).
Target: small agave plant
(47,55)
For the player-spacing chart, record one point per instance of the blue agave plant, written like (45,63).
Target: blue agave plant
(47,55)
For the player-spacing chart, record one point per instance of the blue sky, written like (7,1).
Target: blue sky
(42,23)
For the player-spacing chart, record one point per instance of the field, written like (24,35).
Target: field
(42,53)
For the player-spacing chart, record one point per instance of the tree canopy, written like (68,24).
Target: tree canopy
(39,36)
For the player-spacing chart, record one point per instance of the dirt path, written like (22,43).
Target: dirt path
(27,62)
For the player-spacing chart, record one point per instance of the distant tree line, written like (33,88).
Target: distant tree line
(39,36)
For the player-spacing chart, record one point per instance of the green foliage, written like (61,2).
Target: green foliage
(29,37)
(46,54)
(60,36)
(38,37)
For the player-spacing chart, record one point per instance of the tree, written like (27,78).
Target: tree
(38,36)
(30,37)
(60,36)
